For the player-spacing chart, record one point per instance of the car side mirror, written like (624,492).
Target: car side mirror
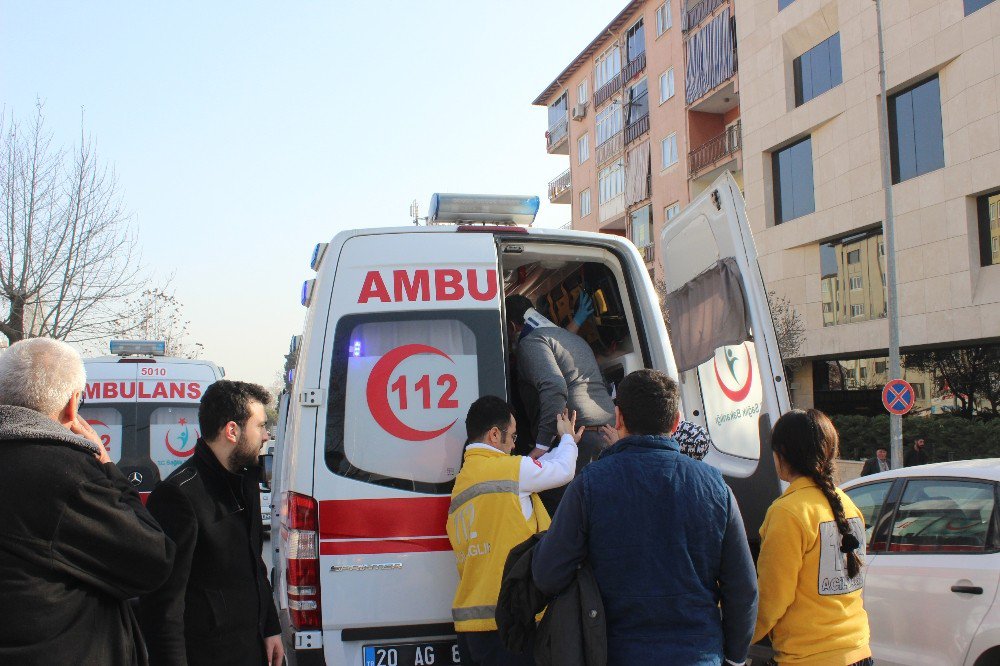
(266,465)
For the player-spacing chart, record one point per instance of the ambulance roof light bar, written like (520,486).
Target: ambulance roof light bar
(138,347)
(498,209)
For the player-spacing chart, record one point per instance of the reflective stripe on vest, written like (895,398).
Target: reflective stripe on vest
(473,613)
(482,489)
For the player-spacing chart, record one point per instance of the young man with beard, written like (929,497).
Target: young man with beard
(216,606)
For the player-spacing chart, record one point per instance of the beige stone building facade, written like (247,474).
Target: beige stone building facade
(809,105)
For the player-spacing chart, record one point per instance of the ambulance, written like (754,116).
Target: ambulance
(144,407)
(405,329)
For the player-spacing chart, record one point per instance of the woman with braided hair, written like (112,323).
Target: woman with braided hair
(812,550)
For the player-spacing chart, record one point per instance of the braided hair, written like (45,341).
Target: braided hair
(808,443)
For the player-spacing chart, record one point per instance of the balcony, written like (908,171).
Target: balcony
(631,70)
(697,11)
(715,150)
(648,253)
(561,189)
(610,148)
(634,130)
(556,139)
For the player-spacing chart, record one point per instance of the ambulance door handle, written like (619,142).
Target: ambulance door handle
(967,589)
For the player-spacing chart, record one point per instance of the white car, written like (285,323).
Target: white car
(933,564)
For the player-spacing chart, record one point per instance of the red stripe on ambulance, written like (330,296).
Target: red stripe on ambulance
(384,518)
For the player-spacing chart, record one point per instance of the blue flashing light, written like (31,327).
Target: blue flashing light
(138,347)
(482,209)
(307,291)
(317,256)
(356,349)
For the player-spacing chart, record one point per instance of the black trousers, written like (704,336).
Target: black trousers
(484,648)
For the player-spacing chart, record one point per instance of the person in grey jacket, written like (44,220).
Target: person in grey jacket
(557,370)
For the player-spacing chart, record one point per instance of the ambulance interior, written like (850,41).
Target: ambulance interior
(553,276)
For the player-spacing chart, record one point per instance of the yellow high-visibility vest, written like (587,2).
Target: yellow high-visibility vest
(484,523)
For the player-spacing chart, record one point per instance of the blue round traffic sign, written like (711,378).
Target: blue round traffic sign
(898,396)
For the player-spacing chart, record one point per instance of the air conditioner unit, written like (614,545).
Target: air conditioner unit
(579,111)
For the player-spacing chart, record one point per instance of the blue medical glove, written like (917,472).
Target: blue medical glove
(584,308)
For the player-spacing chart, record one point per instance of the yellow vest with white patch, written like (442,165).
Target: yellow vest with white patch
(484,523)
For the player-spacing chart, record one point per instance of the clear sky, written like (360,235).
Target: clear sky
(243,133)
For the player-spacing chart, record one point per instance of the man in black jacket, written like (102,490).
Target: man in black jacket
(216,607)
(880,463)
(75,542)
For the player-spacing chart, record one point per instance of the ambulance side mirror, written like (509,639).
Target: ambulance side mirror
(266,463)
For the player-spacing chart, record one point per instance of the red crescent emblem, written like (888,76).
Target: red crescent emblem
(179,454)
(105,439)
(377,393)
(742,392)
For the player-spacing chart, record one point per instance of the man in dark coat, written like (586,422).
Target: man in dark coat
(75,542)
(915,454)
(216,607)
(664,537)
(879,463)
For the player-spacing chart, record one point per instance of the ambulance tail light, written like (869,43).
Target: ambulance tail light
(301,514)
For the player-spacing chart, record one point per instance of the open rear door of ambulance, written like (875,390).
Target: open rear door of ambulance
(723,339)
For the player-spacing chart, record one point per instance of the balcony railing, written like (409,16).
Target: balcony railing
(697,11)
(559,186)
(636,129)
(557,133)
(715,149)
(631,70)
(610,148)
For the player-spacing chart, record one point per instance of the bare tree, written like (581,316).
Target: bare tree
(970,374)
(157,314)
(67,248)
(789,329)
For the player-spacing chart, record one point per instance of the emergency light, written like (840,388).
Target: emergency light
(482,209)
(138,347)
(317,256)
(307,292)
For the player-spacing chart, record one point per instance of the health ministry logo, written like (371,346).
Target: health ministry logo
(181,444)
(739,377)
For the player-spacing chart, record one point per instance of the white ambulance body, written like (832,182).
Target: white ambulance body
(404,331)
(144,406)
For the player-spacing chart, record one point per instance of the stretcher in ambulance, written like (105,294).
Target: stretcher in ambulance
(405,329)
(144,406)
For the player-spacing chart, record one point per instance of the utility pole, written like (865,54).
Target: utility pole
(888,233)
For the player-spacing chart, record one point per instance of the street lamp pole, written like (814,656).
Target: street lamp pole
(889,237)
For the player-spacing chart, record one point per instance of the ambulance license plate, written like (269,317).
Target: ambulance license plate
(438,653)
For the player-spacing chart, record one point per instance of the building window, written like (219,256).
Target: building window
(585,203)
(915,135)
(665,20)
(851,274)
(635,41)
(975,5)
(918,391)
(989,229)
(784,3)
(880,367)
(666,85)
(583,148)
(581,92)
(607,66)
(558,114)
(611,181)
(641,225)
(817,70)
(792,170)
(669,150)
(609,122)
(863,373)
(638,103)
(671,211)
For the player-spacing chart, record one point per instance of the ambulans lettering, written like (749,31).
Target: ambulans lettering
(144,391)
(448,284)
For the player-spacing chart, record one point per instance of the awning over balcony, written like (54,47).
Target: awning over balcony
(637,174)
(711,57)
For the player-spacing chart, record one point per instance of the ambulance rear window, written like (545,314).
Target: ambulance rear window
(400,388)
(107,422)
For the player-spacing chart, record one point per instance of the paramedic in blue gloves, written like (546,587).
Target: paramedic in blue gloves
(557,370)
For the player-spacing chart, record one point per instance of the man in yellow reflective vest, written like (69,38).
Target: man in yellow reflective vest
(494,507)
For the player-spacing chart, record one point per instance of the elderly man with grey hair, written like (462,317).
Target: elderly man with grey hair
(76,542)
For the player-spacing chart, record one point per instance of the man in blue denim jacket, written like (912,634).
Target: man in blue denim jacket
(664,537)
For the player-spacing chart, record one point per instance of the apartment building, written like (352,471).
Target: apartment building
(648,115)
(812,178)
